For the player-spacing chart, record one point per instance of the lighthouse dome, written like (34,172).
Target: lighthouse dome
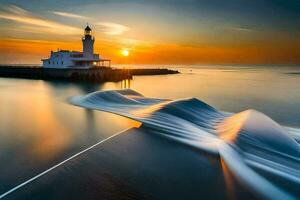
(87,31)
(87,28)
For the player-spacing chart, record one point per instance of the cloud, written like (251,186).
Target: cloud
(71,15)
(113,28)
(242,29)
(17,14)
(16,10)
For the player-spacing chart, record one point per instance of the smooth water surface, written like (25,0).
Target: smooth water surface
(38,126)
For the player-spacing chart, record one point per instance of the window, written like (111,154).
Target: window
(49,62)
(62,62)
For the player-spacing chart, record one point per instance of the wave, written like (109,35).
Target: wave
(250,143)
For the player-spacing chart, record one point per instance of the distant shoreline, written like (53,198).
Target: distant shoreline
(100,74)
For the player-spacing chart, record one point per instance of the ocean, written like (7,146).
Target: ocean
(40,127)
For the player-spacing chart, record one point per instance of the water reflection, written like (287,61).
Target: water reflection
(60,87)
(49,136)
(228,181)
(125,84)
(38,127)
(32,121)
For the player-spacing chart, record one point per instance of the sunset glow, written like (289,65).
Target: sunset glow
(202,33)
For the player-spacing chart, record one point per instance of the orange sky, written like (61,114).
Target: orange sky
(152,37)
(31,51)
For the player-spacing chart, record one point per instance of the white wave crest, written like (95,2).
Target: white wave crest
(247,142)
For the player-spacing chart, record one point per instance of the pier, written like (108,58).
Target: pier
(98,74)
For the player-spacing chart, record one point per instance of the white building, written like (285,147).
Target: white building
(76,59)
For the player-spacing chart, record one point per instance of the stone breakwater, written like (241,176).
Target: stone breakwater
(102,74)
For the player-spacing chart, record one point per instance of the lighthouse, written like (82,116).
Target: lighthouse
(88,43)
(75,59)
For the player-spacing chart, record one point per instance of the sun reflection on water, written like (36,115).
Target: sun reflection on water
(228,181)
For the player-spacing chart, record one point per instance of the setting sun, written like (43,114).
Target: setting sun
(125,52)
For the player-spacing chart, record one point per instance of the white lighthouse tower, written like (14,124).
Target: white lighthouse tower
(88,43)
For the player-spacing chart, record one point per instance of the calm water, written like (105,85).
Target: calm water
(274,91)
(38,127)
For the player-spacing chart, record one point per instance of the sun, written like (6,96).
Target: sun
(125,52)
